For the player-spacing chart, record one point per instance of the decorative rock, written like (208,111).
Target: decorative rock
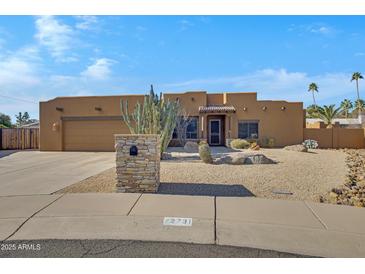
(244,159)
(352,191)
(166,156)
(191,147)
(258,159)
(298,148)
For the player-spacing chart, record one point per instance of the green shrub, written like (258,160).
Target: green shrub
(240,144)
(204,153)
(202,142)
(269,142)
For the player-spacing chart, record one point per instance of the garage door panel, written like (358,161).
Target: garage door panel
(91,135)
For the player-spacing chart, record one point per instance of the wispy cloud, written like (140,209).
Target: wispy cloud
(57,37)
(87,22)
(358,54)
(139,33)
(99,70)
(275,84)
(20,68)
(185,24)
(315,28)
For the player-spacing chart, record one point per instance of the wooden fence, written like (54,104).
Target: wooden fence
(19,138)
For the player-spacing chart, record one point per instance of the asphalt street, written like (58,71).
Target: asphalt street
(128,249)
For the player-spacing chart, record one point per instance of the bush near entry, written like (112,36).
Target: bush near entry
(240,144)
(205,153)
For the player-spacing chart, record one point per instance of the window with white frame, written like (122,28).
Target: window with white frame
(248,129)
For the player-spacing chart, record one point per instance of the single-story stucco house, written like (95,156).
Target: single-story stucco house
(89,123)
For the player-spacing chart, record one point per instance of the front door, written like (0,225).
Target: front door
(215,132)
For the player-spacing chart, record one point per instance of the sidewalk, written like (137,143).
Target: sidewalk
(288,226)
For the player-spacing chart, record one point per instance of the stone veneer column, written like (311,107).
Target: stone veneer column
(140,173)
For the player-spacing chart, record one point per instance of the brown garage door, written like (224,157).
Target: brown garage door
(91,135)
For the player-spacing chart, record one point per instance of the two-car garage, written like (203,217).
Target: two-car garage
(91,133)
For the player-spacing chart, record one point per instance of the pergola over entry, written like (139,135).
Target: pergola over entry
(215,121)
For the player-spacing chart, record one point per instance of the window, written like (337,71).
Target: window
(191,130)
(248,129)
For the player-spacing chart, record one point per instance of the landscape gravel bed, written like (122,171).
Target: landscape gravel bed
(295,175)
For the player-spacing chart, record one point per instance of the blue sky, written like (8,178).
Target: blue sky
(277,56)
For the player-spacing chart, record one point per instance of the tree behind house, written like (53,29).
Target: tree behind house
(5,120)
(313,87)
(328,113)
(22,119)
(312,111)
(346,106)
(356,76)
(359,105)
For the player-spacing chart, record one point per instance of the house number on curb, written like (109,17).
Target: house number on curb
(176,221)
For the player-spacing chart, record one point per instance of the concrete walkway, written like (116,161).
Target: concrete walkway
(287,226)
(35,172)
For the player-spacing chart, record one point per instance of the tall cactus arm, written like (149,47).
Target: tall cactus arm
(125,116)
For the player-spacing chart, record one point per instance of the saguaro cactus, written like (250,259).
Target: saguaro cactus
(154,116)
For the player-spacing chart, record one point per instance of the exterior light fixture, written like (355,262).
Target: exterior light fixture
(98,109)
(55,126)
(264,108)
(244,109)
(192,99)
(59,109)
(283,108)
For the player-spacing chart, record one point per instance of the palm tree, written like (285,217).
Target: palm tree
(328,113)
(313,88)
(312,111)
(359,105)
(357,76)
(346,106)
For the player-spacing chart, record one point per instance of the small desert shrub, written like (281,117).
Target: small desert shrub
(310,144)
(204,153)
(269,142)
(240,144)
(254,146)
(202,142)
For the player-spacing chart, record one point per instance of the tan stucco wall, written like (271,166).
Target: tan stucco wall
(80,107)
(215,99)
(190,100)
(286,127)
(336,137)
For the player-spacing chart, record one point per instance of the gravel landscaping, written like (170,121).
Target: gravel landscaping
(352,192)
(295,175)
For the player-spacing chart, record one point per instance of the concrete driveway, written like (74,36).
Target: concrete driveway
(35,172)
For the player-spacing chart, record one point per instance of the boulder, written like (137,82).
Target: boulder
(244,159)
(235,159)
(166,156)
(191,147)
(298,148)
(258,159)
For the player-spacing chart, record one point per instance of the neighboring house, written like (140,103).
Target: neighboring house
(89,123)
(339,122)
(30,125)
